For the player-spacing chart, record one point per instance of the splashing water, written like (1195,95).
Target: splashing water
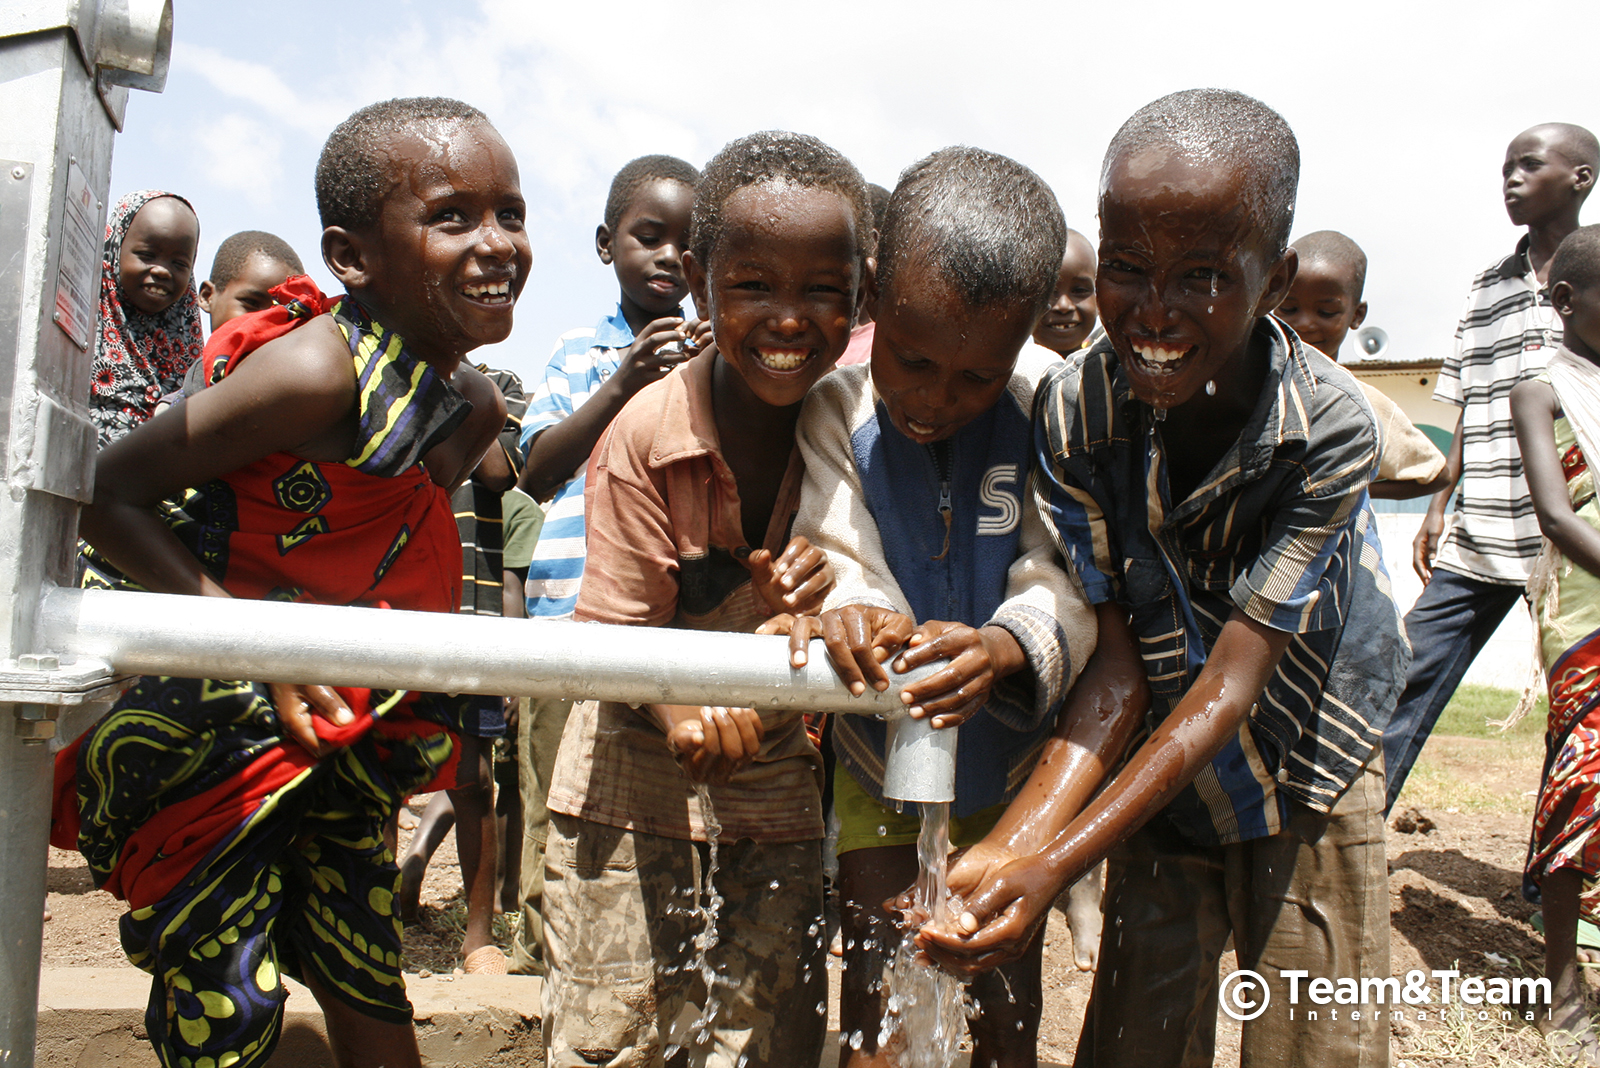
(926,1006)
(708,904)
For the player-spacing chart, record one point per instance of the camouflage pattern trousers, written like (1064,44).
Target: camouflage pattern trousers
(623,921)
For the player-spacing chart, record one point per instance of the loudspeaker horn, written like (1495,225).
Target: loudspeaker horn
(1374,342)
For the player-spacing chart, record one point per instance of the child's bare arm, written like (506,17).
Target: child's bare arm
(1427,539)
(560,451)
(1533,407)
(1000,914)
(294,394)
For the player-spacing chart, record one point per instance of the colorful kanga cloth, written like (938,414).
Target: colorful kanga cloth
(138,358)
(1567,814)
(240,855)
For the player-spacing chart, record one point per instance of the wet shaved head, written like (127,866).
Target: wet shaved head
(1338,252)
(1221,128)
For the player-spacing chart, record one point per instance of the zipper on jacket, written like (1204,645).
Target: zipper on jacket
(940,450)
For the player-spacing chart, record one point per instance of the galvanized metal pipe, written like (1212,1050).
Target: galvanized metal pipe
(214,637)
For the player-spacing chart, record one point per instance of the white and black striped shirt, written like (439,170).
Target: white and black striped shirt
(1505,336)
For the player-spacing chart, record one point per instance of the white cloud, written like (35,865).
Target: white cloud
(1402,111)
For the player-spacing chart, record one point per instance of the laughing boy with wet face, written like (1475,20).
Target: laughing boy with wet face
(1207,476)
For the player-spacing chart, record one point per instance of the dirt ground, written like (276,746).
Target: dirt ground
(1455,871)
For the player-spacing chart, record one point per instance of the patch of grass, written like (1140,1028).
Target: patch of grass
(1470,710)
(1434,788)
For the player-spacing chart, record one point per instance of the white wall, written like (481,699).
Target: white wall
(1504,661)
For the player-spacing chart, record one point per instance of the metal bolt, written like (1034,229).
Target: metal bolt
(19,172)
(36,724)
(38,662)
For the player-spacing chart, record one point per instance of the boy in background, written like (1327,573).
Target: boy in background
(469,806)
(1071,315)
(1206,474)
(247,267)
(916,488)
(591,374)
(1473,574)
(1324,304)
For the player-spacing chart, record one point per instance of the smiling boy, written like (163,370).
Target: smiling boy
(1324,304)
(243,822)
(1071,315)
(691,496)
(917,469)
(1206,475)
(1476,571)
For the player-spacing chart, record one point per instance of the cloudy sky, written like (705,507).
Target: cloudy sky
(1403,112)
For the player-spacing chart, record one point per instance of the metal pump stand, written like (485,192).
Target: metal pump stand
(65,654)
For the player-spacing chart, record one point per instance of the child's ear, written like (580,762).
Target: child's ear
(602,243)
(1561,297)
(347,257)
(1280,276)
(867,293)
(1584,179)
(207,291)
(695,275)
(1360,316)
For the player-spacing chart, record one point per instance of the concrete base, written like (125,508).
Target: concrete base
(94,1018)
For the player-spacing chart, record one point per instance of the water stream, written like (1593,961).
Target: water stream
(708,905)
(926,1014)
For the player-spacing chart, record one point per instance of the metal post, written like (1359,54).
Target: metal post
(65,66)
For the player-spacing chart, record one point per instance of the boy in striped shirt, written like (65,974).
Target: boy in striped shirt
(591,374)
(1475,573)
(1206,474)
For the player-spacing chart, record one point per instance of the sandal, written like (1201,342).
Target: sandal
(486,960)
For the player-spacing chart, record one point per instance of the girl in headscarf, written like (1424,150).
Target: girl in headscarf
(149,315)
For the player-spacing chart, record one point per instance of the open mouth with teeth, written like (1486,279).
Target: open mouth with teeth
(489,293)
(1161,360)
(782,360)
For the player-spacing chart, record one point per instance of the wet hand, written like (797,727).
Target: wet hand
(296,705)
(657,350)
(996,920)
(713,743)
(858,637)
(978,658)
(797,582)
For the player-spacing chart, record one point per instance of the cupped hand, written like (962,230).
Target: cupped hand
(713,743)
(1002,904)
(797,582)
(296,706)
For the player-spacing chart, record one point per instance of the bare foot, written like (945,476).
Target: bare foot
(1569,1032)
(1084,917)
(408,819)
(1586,955)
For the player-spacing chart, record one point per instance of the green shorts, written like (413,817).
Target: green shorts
(865,824)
